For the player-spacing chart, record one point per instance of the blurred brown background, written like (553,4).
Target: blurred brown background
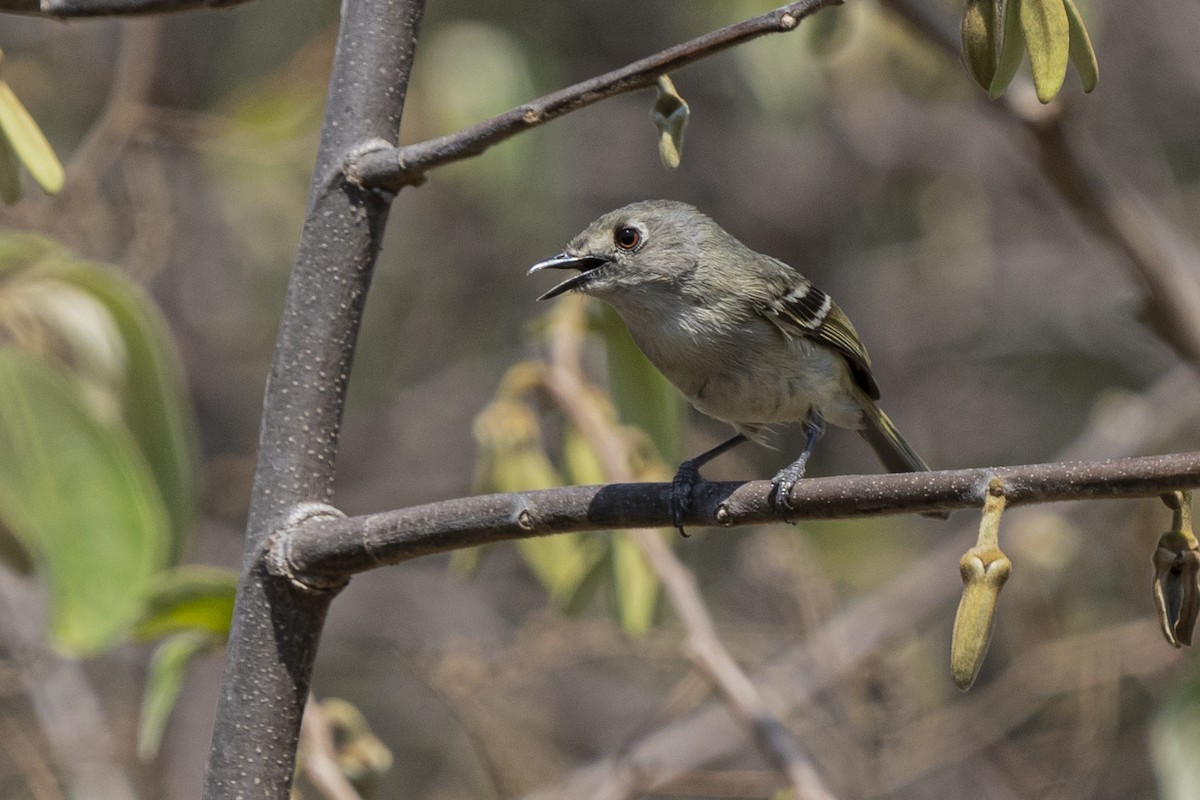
(1002,332)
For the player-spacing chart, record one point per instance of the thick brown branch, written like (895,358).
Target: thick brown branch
(337,547)
(395,168)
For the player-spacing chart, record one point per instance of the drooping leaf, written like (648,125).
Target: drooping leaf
(168,667)
(1047,37)
(1082,54)
(635,586)
(1012,48)
(644,398)
(10,173)
(28,142)
(511,459)
(79,496)
(188,598)
(155,404)
(979,35)
(670,115)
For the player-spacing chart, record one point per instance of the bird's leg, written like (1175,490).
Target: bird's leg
(688,475)
(786,479)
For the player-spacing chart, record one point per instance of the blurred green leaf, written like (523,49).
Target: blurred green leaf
(511,459)
(1047,37)
(155,404)
(979,34)
(1082,54)
(10,173)
(670,115)
(163,683)
(1012,48)
(79,496)
(28,143)
(827,32)
(108,334)
(644,398)
(188,598)
(635,586)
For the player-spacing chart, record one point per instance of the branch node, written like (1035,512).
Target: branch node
(531,115)
(525,520)
(354,156)
(787,21)
(278,556)
(723,516)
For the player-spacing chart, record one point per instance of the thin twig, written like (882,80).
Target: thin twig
(395,168)
(565,382)
(339,547)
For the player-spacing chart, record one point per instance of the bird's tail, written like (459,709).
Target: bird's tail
(893,452)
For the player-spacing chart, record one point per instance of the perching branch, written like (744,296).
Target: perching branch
(329,546)
(395,168)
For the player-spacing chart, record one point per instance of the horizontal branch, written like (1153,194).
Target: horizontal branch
(394,168)
(70,9)
(330,547)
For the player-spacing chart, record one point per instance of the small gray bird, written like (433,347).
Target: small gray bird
(745,337)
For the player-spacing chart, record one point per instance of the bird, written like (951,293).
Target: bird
(745,337)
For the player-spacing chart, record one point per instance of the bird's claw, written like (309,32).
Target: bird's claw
(784,481)
(681,493)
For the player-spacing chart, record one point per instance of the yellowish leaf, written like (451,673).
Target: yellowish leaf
(28,142)
(1047,37)
(979,39)
(635,586)
(1082,54)
(1012,47)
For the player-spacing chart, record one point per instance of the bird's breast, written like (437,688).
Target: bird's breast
(749,374)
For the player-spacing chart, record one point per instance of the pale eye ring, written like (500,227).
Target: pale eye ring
(627,237)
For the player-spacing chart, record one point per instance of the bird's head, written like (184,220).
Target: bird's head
(654,244)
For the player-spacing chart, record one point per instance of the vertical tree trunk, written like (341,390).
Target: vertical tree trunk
(277,625)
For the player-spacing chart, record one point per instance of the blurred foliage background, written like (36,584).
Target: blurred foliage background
(1001,330)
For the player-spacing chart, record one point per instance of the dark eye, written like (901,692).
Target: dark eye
(627,238)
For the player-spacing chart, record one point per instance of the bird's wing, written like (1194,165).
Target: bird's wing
(798,308)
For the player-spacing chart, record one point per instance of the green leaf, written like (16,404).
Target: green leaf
(635,586)
(1012,47)
(188,598)
(28,142)
(155,404)
(1082,54)
(1047,37)
(979,39)
(80,498)
(827,32)
(10,173)
(163,683)
(644,398)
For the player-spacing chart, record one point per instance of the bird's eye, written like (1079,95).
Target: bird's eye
(627,238)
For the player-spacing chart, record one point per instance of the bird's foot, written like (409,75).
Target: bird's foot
(784,481)
(681,493)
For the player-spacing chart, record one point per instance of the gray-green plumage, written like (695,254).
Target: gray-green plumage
(744,336)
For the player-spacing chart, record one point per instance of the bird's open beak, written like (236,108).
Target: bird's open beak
(586,265)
